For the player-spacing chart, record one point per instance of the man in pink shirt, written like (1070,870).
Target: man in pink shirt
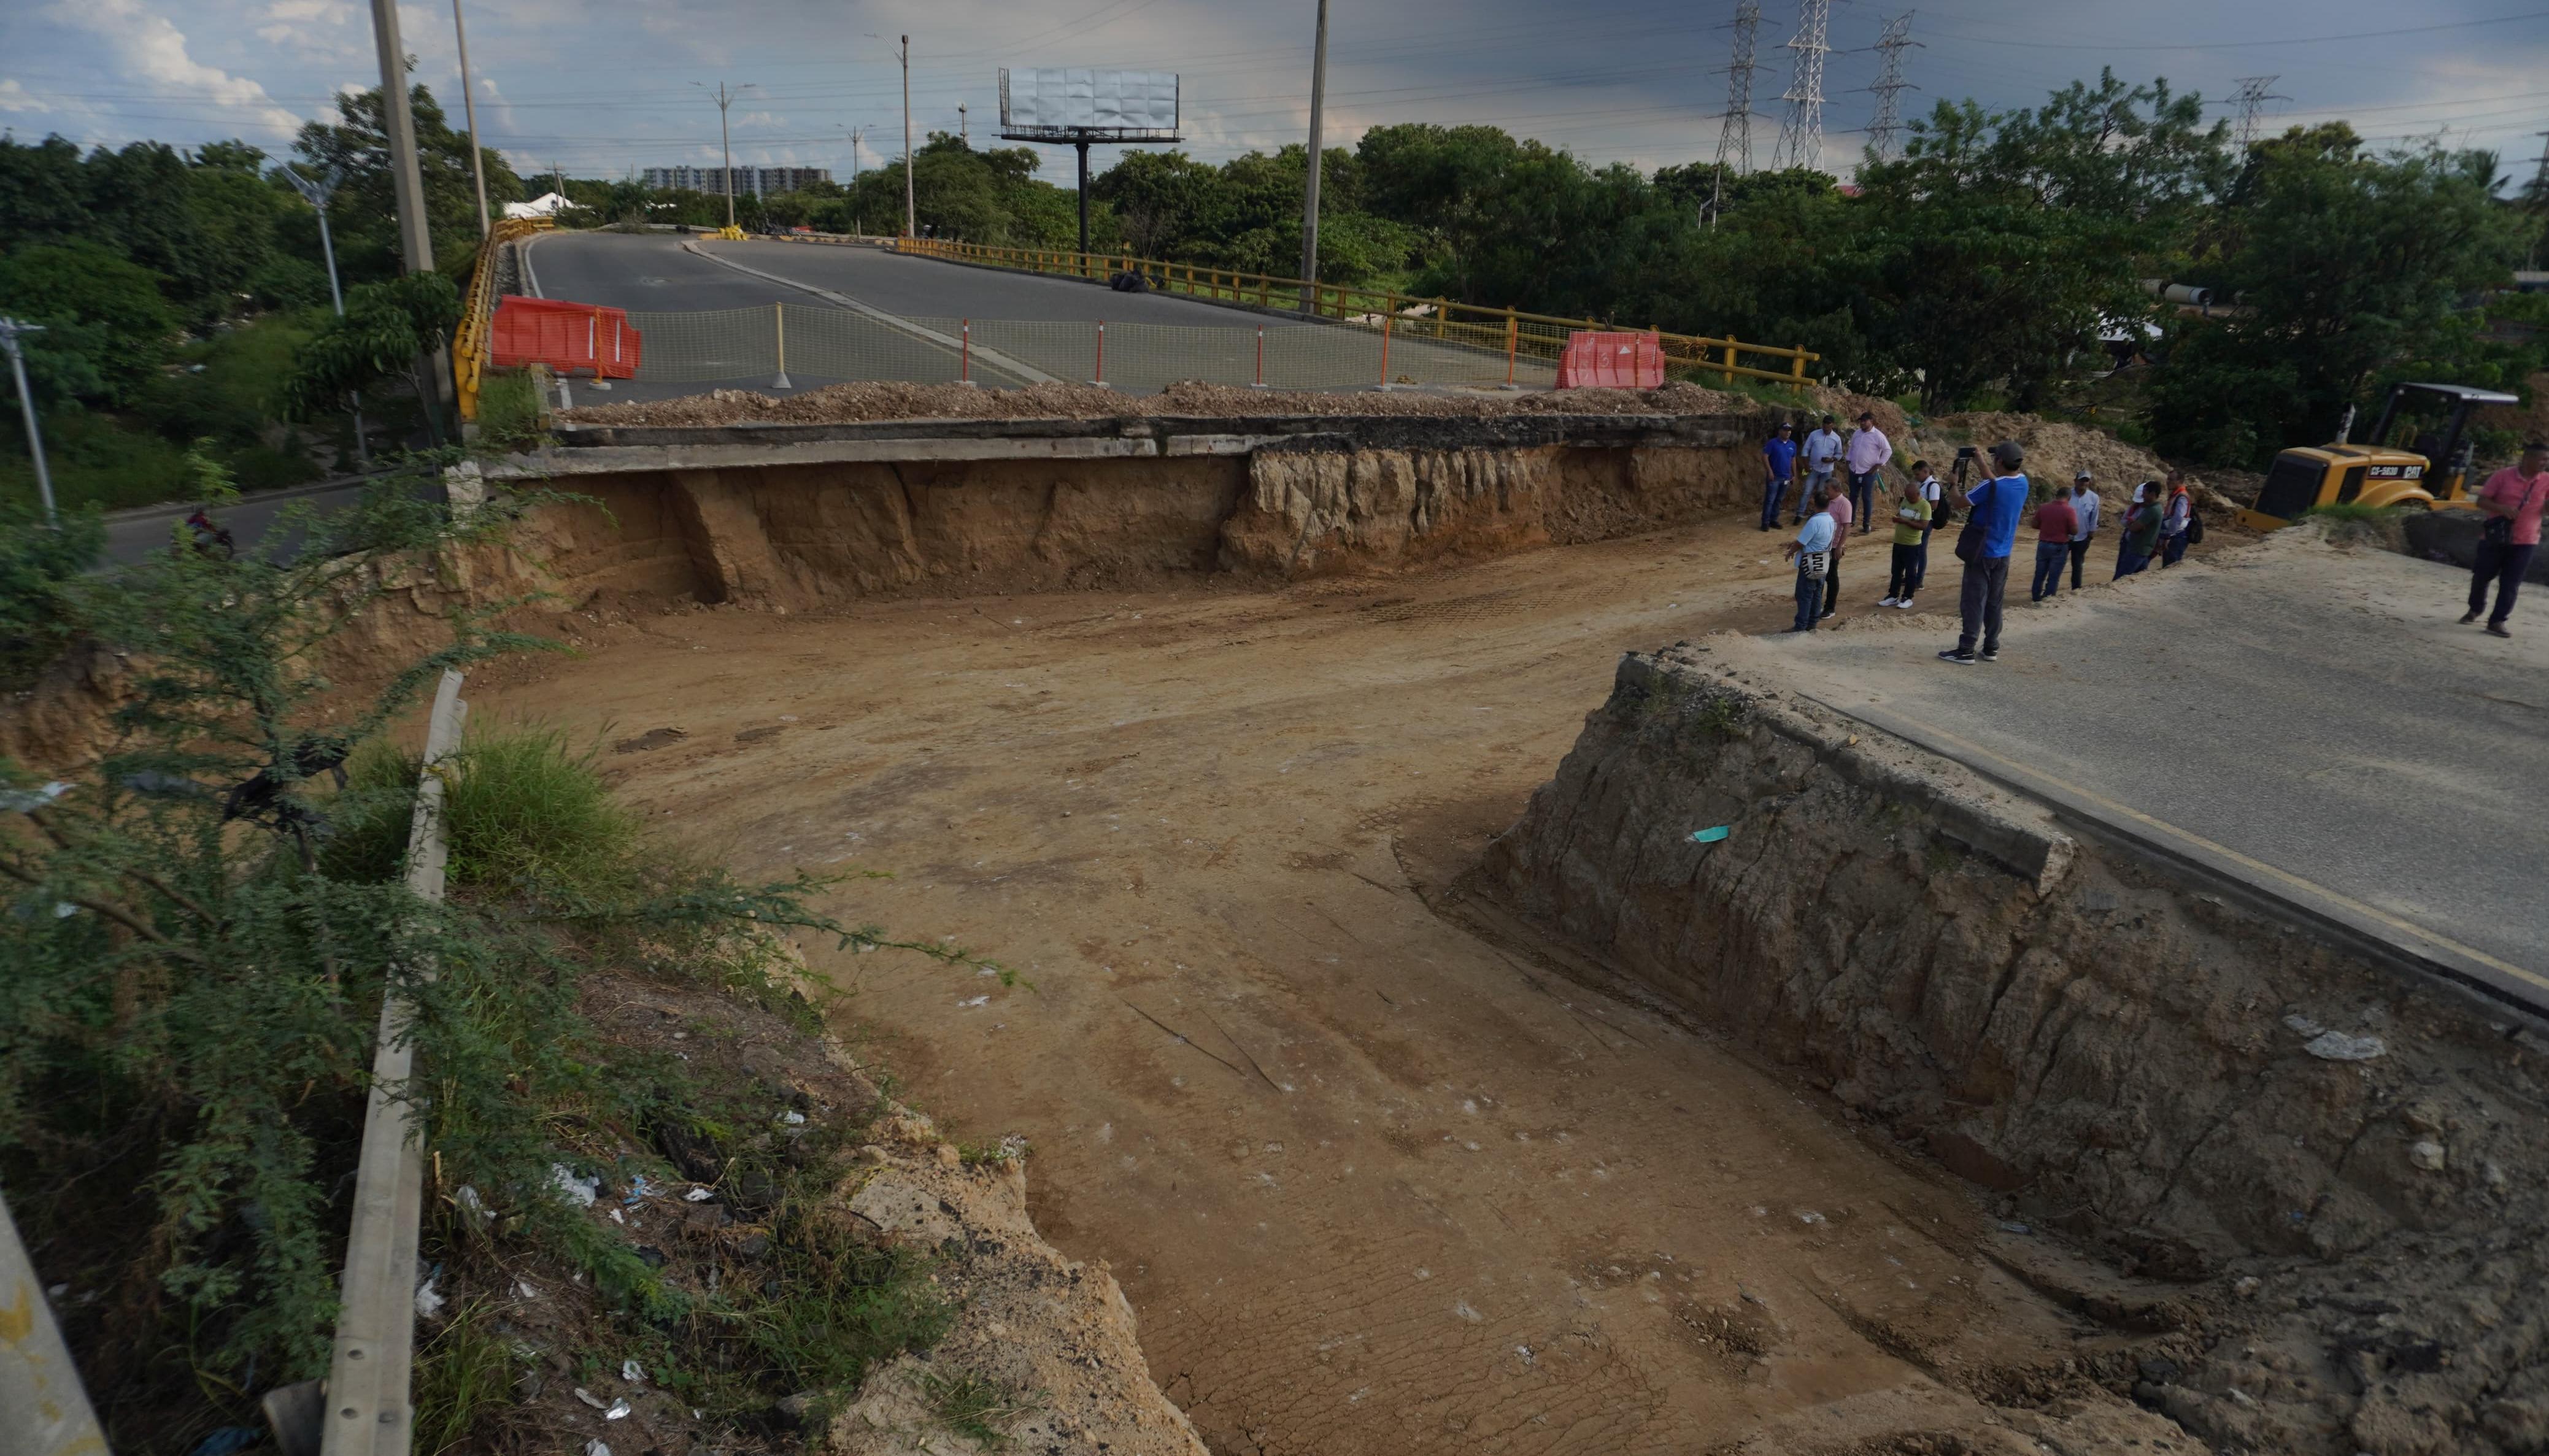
(1869,449)
(1840,512)
(2511,500)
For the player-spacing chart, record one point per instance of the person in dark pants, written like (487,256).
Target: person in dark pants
(1869,450)
(1910,528)
(1937,495)
(2139,538)
(1815,538)
(1778,462)
(2176,517)
(1993,507)
(2512,499)
(2086,507)
(2055,525)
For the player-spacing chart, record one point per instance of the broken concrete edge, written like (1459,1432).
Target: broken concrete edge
(1350,431)
(2492,987)
(2027,836)
(2020,837)
(626,459)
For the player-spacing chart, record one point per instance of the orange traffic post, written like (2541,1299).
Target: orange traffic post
(1101,353)
(1385,346)
(1513,341)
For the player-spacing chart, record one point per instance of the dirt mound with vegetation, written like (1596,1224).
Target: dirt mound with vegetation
(845,404)
(2055,451)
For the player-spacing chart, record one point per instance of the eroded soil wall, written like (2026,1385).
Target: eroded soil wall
(2126,1058)
(804,535)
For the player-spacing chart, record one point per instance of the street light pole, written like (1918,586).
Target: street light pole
(415,227)
(911,215)
(469,104)
(1310,191)
(10,328)
(725,139)
(315,191)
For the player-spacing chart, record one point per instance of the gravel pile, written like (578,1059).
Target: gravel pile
(843,404)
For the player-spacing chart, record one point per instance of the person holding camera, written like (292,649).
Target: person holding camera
(2512,499)
(1992,509)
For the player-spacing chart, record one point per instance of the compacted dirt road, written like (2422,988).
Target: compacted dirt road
(1372,1183)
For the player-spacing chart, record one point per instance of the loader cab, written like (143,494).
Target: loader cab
(2430,472)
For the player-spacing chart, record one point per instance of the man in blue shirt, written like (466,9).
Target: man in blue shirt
(1778,462)
(1814,539)
(1992,508)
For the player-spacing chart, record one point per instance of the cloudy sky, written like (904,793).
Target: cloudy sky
(602,86)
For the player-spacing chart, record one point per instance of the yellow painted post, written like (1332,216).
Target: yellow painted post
(1797,366)
(1730,359)
(1513,342)
(1442,311)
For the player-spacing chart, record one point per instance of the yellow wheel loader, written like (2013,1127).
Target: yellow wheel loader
(2377,474)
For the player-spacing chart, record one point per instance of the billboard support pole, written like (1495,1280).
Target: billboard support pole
(1310,190)
(1083,196)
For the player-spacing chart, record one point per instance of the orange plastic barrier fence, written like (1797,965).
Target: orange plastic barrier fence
(1611,361)
(566,336)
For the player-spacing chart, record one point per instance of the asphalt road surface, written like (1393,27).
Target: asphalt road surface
(2316,710)
(1046,324)
(132,536)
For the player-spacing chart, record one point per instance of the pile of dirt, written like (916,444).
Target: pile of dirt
(2057,451)
(844,403)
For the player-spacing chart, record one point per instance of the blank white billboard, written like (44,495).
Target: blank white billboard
(1063,102)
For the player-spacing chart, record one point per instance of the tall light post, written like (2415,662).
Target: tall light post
(315,191)
(415,227)
(10,328)
(469,105)
(1310,190)
(726,139)
(911,215)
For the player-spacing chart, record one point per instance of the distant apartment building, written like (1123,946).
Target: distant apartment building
(748,181)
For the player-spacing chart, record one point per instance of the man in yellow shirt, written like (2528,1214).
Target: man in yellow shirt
(1910,528)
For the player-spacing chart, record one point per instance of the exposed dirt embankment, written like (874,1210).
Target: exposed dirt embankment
(806,536)
(2345,1167)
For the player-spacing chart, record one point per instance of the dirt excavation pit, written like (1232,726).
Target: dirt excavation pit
(1375,1169)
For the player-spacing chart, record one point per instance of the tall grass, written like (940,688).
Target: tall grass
(524,808)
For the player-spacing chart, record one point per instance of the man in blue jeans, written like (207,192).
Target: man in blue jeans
(1778,462)
(1992,509)
(1816,535)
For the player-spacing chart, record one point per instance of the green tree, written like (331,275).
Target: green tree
(387,331)
(364,211)
(2344,267)
(108,327)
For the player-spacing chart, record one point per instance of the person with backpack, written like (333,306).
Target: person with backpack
(2176,522)
(2055,524)
(2511,499)
(2139,538)
(1910,529)
(1811,552)
(1778,462)
(1991,532)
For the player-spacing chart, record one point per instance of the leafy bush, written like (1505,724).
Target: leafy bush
(37,564)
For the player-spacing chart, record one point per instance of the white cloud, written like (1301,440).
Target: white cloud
(153,51)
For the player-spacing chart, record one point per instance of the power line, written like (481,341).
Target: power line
(1801,133)
(1890,85)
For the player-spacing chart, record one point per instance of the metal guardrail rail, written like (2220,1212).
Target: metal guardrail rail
(469,344)
(44,1408)
(1510,333)
(370,1409)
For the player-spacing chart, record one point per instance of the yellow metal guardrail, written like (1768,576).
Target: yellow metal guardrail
(478,311)
(1510,333)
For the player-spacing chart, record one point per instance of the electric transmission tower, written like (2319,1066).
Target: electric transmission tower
(1734,135)
(2251,101)
(1890,85)
(1801,132)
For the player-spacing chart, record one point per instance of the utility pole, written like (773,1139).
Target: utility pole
(10,328)
(963,135)
(1310,188)
(469,105)
(855,133)
(1801,134)
(725,139)
(910,213)
(1890,85)
(2251,99)
(317,191)
(1734,133)
(398,123)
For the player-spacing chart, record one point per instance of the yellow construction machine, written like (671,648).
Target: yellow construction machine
(2375,474)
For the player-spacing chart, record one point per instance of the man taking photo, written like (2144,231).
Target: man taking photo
(1991,532)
